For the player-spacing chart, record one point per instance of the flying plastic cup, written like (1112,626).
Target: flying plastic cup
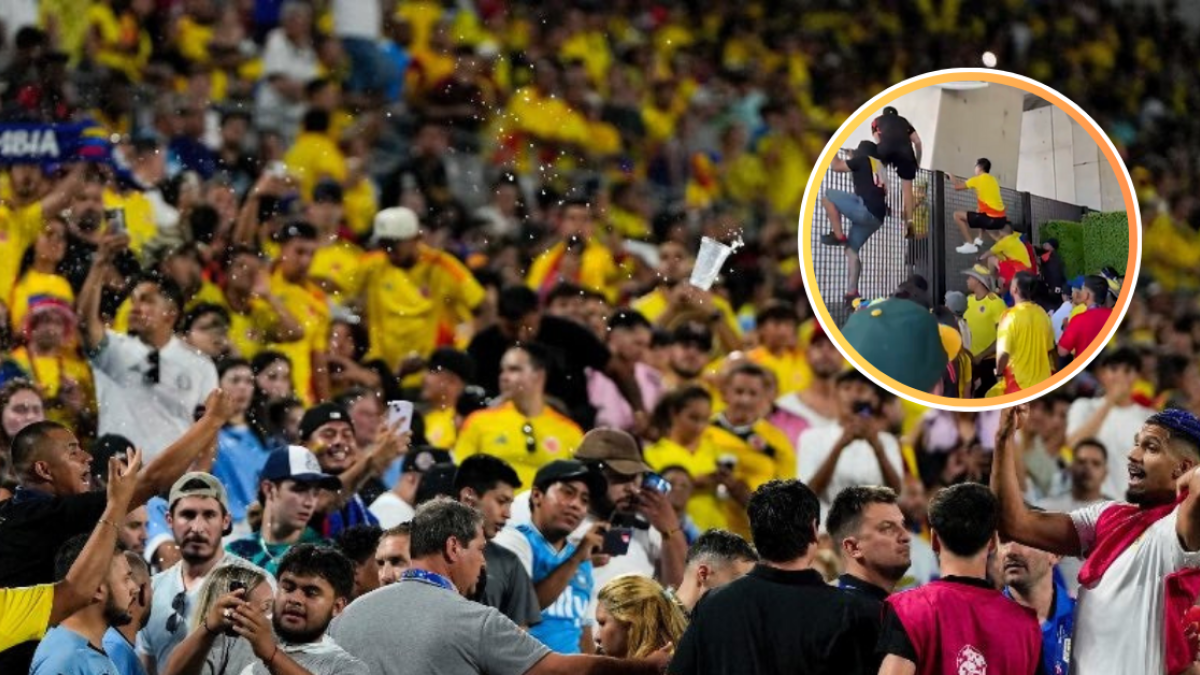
(712,256)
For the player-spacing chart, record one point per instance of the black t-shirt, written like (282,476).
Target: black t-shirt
(775,621)
(894,130)
(572,348)
(873,196)
(893,638)
(33,525)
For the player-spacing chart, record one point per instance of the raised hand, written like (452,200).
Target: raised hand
(123,477)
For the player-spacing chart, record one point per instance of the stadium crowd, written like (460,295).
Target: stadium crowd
(304,211)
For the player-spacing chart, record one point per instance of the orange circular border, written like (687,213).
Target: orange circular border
(863,114)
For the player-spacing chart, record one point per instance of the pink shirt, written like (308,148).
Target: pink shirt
(612,410)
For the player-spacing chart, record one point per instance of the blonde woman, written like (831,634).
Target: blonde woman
(636,617)
(224,580)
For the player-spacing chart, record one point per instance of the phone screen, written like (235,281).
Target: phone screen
(400,411)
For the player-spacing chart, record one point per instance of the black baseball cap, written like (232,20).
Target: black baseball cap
(318,416)
(327,191)
(569,471)
(453,361)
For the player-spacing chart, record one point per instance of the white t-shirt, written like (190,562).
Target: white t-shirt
(645,549)
(1117,432)
(1119,623)
(793,404)
(1059,319)
(1068,566)
(151,416)
(391,510)
(857,465)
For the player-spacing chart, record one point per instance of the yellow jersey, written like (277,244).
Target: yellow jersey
(987,193)
(763,455)
(527,443)
(983,318)
(312,157)
(598,270)
(416,310)
(1027,336)
(439,428)
(1012,248)
(309,307)
(19,228)
(35,286)
(705,508)
(655,303)
(792,372)
(24,614)
(339,263)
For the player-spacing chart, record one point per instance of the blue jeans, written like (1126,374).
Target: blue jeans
(863,222)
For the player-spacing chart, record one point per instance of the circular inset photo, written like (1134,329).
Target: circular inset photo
(969,239)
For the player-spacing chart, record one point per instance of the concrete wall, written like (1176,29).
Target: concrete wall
(980,123)
(921,109)
(1059,160)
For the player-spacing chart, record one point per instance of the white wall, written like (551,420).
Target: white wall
(920,108)
(978,123)
(1059,160)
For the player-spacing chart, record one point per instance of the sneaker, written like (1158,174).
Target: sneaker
(979,241)
(831,240)
(968,249)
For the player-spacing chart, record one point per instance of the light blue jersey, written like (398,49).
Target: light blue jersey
(562,622)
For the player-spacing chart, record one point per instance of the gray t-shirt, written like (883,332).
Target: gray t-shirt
(235,656)
(415,628)
(509,588)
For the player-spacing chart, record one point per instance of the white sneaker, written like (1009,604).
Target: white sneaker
(967,249)
(979,241)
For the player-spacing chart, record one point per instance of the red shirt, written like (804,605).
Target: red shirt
(1083,329)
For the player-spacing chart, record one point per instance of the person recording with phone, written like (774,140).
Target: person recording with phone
(561,570)
(856,450)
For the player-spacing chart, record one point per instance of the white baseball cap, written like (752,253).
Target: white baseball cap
(398,223)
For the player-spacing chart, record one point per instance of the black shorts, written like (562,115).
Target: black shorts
(982,221)
(901,158)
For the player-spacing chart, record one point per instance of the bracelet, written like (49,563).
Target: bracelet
(672,533)
(273,655)
(210,631)
(111,524)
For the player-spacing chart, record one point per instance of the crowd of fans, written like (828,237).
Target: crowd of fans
(313,209)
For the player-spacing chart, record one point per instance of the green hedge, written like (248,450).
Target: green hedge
(1070,243)
(1106,241)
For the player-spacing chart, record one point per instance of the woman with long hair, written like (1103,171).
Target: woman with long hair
(683,419)
(636,617)
(21,404)
(272,372)
(241,450)
(258,592)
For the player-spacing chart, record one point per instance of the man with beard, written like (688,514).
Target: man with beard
(76,644)
(198,515)
(328,432)
(561,570)
(441,630)
(22,215)
(120,640)
(237,638)
(1142,555)
(1030,580)
(487,484)
(149,384)
(289,490)
(415,295)
(1089,469)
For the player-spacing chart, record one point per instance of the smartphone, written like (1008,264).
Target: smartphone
(116,221)
(400,410)
(235,586)
(655,482)
(616,541)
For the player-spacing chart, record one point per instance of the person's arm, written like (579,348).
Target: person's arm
(897,665)
(657,509)
(62,194)
(955,182)
(188,658)
(580,664)
(391,446)
(252,625)
(824,475)
(555,583)
(284,327)
(1053,532)
(916,143)
(179,457)
(625,378)
(90,295)
(1187,524)
(839,165)
(88,572)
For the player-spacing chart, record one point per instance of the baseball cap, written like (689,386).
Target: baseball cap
(197,484)
(422,458)
(900,338)
(567,471)
(396,223)
(956,302)
(318,416)
(617,449)
(453,361)
(299,464)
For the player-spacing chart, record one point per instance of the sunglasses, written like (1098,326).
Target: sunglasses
(153,374)
(178,605)
(530,441)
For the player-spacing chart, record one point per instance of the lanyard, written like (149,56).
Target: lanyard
(431,578)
